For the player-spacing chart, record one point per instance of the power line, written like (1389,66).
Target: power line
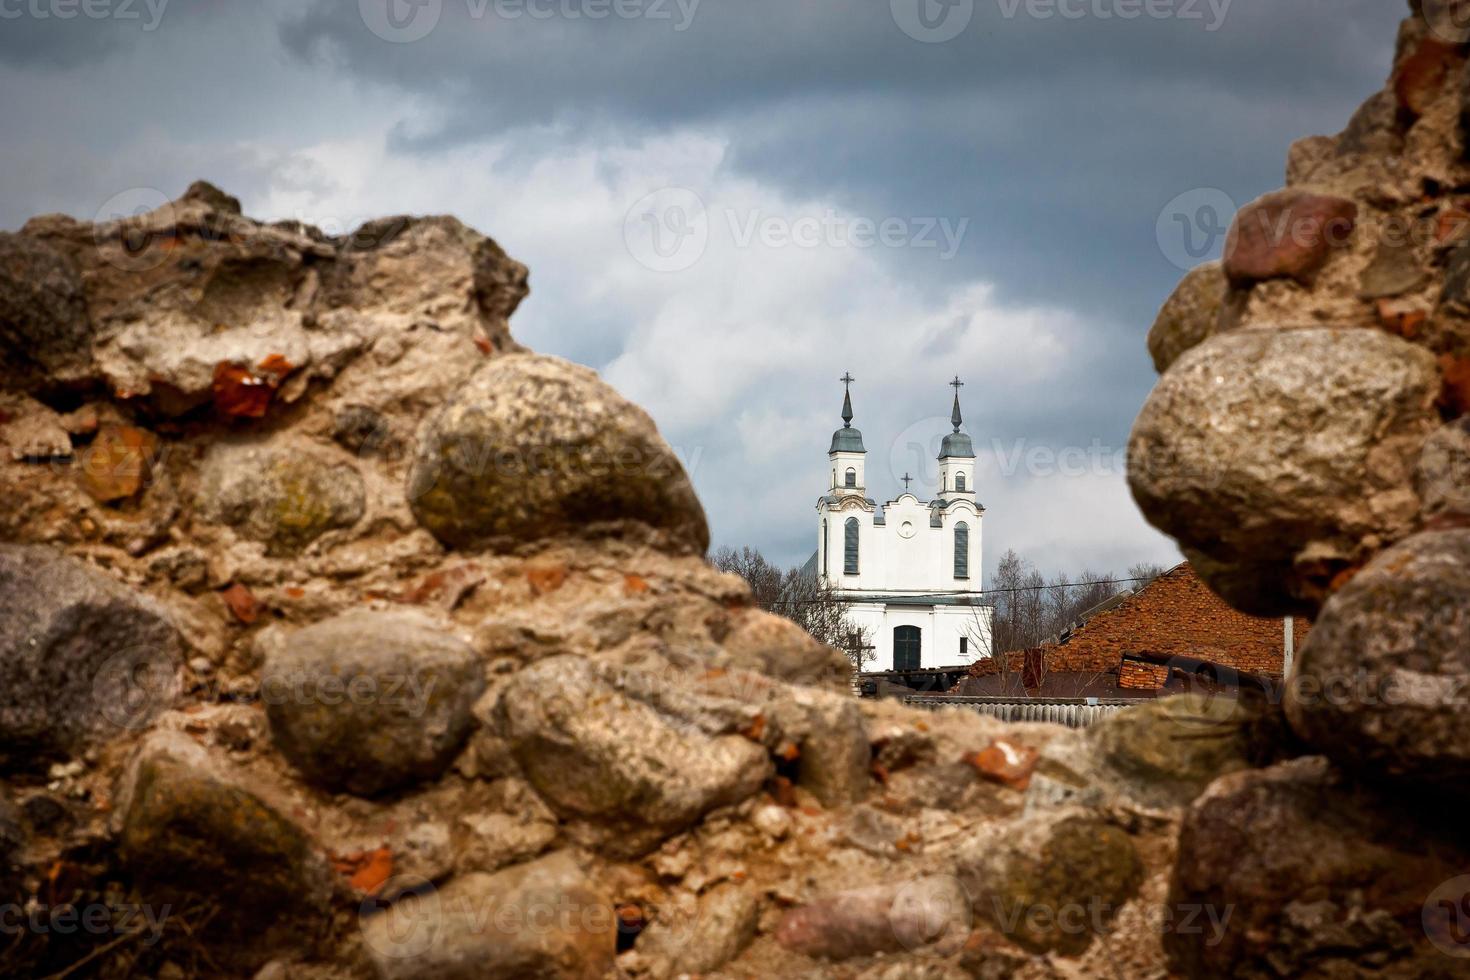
(982,592)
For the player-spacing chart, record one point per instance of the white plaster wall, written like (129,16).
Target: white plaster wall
(941,628)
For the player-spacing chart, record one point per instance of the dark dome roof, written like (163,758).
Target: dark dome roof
(958,445)
(847,440)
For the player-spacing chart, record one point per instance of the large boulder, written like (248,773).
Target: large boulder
(1169,749)
(44,330)
(534,447)
(703,936)
(1284,447)
(371,701)
(193,836)
(1443,476)
(1188,316)
(617,755)
(284,497)
(931,911)
(1054,882)
(82,657)
(1381,680)
(1293,871)
(541,919)
(12,842)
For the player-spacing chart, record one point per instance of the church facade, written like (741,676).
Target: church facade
(910,568)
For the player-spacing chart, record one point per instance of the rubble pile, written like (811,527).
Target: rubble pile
(343,637)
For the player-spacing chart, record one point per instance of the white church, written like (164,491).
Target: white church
(911,568)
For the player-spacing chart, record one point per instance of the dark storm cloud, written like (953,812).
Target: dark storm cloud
(1060,136)
(1060,139)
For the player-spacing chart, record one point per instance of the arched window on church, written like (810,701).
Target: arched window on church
(826,551)
(907,654)
(850,547)
(959,482)
(962,550)
(851,478)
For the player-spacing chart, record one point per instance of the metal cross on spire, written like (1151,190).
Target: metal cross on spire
(954,416)
(847,379)
(906,481)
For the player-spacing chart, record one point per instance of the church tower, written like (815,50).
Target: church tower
(847,455)
(956,457)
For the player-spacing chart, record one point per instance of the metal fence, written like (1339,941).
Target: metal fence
(1057,711)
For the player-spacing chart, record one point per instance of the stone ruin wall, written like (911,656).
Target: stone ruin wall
(368,643)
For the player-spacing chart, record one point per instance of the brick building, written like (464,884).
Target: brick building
(1172,633)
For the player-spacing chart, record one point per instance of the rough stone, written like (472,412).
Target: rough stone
(1380,679)
(835,754)
(534,447)
(1053,882)
(703,939)
(774,645)
(1189,315)
(1171,748)
(1299,873)
(12,841)
(82,657)
(372,701)
(119,463)
(931,911)
(284,497)
(32,432)
(1395,270)
(1269,446)
(44,330)
(541,919)
(192,834)
(1443,475)
(594,751)
(1286,234)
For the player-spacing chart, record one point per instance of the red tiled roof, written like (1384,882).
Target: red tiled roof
(1175,615)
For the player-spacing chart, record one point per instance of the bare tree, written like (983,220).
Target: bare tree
(805,600)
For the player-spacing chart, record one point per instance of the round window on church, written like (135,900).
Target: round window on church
(906,530)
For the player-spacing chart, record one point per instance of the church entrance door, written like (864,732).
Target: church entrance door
(906,641)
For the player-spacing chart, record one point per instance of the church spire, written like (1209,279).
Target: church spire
(954,416)
(847,379)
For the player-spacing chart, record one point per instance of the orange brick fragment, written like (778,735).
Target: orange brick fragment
(1006,762)
(546,578)
(242,602)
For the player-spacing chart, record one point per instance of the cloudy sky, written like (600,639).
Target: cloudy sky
(725,204)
